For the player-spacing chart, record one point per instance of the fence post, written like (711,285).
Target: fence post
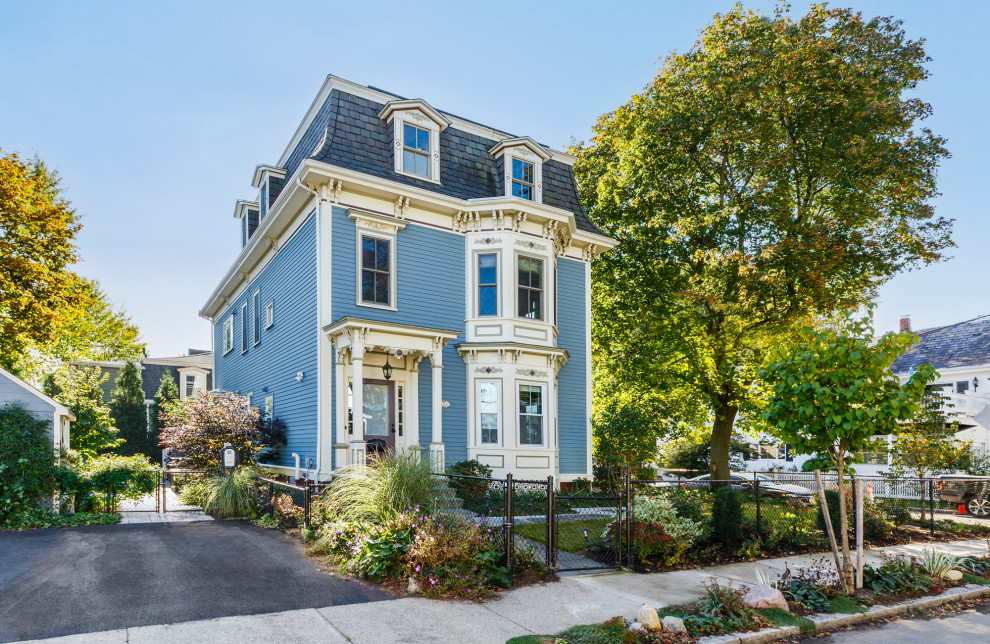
(759,522)
(306,496)
(508,524)
(551,526)
(629,510)
(271,499)
(931,504)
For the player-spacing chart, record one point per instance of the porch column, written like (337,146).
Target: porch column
(436,445)
(358,448)
(340,397)
(412,405)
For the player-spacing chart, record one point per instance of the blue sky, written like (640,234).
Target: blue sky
(156,114)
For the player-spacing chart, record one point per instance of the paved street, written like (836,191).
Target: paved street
(967,627)
(96,578)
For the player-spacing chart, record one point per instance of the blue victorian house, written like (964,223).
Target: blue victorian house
(410,279)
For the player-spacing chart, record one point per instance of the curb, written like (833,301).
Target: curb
(826,622)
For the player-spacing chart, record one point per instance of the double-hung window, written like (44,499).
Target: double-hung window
(530,288)
(256,313)
(376,271)
(415,150)
(228,334)
(522,179)
(270,314)
(487,284)
(244,327)
(531,411)
(489,412)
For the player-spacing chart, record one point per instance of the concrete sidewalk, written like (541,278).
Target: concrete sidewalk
(542,609)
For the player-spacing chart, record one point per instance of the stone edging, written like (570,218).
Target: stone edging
(826,622)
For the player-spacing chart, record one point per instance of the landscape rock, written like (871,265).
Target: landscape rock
(414,588)
(763,596)
(647,616)
(673,624)
(635,626)
(953,575)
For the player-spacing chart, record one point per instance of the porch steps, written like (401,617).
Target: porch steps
(447,500)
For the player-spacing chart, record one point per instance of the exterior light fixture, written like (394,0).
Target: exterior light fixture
(976,383)
(387,369)
(299,376)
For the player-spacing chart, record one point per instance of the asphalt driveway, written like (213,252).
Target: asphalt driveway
(95,578)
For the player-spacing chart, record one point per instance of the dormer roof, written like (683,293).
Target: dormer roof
(260,171)
(242,206)
(416,104)
(521,141)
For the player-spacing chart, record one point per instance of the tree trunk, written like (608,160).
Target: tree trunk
(847,571)
(725,417)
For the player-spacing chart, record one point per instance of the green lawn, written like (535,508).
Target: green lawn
(569,535)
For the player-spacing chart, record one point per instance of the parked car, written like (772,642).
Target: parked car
(971,491)
(768,487)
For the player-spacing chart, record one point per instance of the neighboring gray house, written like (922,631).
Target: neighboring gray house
(58,417)
(193,374)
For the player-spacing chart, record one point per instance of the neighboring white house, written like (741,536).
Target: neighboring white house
(58,417)
(960,354)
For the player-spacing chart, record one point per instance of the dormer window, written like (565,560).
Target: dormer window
(416,129)
(522,179)
(416,150)
(522,160)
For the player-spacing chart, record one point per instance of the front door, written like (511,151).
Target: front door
(379,415)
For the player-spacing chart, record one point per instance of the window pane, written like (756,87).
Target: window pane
(422,165)
(517,169)
(488,300)
(367,286)
(408,136)
(536,273)
(381,288)
(368,252)
(487,269)
(423,140)
(522,191)
(381,261)
(531,430)
(527,172)
(535,305)
(408,161)
(523,271)
(489,428)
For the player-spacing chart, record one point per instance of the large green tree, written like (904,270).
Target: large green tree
(776,171)
(832,393)
(166,396)
(129,411)
(37,230)
(78,388)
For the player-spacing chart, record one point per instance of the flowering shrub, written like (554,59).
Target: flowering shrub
(444,556)
(289,513)
(650,543)
(200,426)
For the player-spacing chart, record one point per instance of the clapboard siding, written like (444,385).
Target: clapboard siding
(288,347)
(572,392)
(429,293)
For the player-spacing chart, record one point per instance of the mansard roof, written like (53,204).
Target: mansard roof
(347,131)
(966,344)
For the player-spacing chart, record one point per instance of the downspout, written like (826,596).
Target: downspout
(296,456)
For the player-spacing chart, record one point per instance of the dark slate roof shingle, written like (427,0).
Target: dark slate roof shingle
(966,344)
(355,138)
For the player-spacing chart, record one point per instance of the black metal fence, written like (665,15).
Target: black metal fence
(749,515)
(289,503)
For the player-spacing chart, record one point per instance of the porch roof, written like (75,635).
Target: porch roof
(373,333)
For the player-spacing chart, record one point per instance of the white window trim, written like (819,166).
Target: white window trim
(228,334)
(269,406)
(244,328)
(476,284)
(543,319)
(381,227)
(256,317)
(498,406)
(543,387)
(250,399)
(417,119)
(270,314)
